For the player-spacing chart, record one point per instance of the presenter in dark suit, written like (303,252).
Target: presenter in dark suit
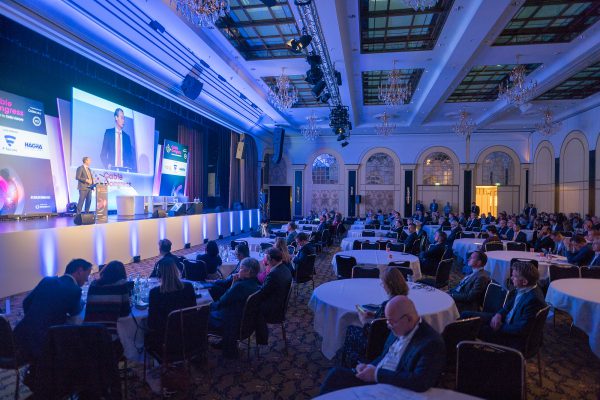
(117,151)
(413,356)
(84,180)
(52,301)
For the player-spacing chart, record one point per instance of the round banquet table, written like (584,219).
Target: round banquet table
(380,259)
(356,233)
(383,391)
(581,299)
(334,305)
(498,264)
(462,247)
(347,243)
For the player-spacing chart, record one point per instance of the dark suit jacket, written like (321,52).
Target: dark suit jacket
(107,154)
(291,237)
(523,318)
(521,237)
(226,313)
(433,207)
(49,304)
(306,250)
(410,240)
(503,231)
(421,363)
(582,257)
(274,291)
(475,209)
(430,259)
(469,295)
(81,177)
(212,262)
(419,207)
(544,243)
(473,223)
(156,273)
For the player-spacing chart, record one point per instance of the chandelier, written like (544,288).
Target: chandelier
(465,126)
(515,90)
(394,92)
(547,126)
(203,13)
(385,128)
(283,95)
(420,5)
(310,131)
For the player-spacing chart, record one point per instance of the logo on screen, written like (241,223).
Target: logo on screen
(185,156)
(34,146)
(168,148)
(10,140)
(37,121)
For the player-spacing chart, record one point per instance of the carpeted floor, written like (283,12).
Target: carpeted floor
(570,368)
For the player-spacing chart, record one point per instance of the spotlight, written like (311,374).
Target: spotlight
(154,24)
(338,78)
(205,241)
(313,59)
(314,75)
(318,88)
(325,97)
(188,245)
(344,144)
(297,46)
(137,259)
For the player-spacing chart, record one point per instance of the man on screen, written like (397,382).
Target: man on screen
(117,151)
(84,180)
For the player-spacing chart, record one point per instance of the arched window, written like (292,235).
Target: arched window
(380,170)
(438,168)
(325,170)
(498,168)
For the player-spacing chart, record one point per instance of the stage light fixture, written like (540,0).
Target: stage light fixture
(344,144)
(318,88)
(314,59)
(325,97)
(313,75)
(137,259)
(338,78)
(297,46)
(187,245)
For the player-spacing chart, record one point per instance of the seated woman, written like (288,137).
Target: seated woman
(280,244)
(355,343)
(108,296)
(212,260)
(172,294)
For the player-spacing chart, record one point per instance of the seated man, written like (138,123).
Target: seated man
(52,301)
(291,231)
(431,258)
(468,294)
(502,229)
(412,237)
(413,356)
(322,223)
(595,263)
(493,235)
(578,252)
(220,286)
(164,248)
(226,313)
(473,222)
(305,248)
(517,235)
(513,322)
(544,241)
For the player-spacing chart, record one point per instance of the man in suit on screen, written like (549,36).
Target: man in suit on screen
(84,180)
(117,151)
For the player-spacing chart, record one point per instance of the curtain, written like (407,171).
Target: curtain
(194,139)
(224,150)
(234,172)
(250,191)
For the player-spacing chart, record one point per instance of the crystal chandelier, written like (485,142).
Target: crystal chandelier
(547,126)
(310,131)
(465,126)
(515,90)
(283,95)
(420,5)
(203,13)
(385,128)
(394,92)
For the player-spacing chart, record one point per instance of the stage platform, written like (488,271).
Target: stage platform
(32,249)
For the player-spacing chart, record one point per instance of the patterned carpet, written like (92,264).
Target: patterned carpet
(570,368)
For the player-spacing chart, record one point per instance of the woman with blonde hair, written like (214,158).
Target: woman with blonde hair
(355,343)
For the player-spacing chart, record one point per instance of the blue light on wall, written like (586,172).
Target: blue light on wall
(219,223)
(162,228)
(99,243)
(257,217)
(241,220)
(186,230)
(134,243)
(231,222)
(48,257)
(203,227)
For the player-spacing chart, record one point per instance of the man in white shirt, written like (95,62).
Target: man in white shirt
(413,356)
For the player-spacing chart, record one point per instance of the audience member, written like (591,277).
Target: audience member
(544,241)
(430,258)
(596,248)
(291,231)
(304,249)
(220,286)
(109,290)
(164,248)
(469,293)
(578,252)
(493,235)
(212,259)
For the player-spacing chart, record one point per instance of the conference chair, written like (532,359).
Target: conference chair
(356,245)
(442,275)
(366,233)
(305,271)
(344,266)
(490,371)
(370,226)
(265,246)
(467,235)
(9,359)
(369,246)
(280,318)
(557,272)
(383,244)
(234,243)
(535,339)
(456,332)
(516,246)
(376,338)
(494,246)
(194,270)
(395,247)
(362,272)
(404,267)
(590,273)
(494,298)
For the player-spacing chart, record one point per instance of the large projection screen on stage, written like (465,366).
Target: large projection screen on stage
(25,175)
(174,169)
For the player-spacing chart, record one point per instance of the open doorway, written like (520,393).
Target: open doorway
(486,198)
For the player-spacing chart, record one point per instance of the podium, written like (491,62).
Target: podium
(101,203)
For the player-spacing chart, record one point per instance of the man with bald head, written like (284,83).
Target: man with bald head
(413,356)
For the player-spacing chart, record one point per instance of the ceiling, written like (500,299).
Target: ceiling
(454,56)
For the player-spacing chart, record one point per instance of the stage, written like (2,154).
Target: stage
(32,249)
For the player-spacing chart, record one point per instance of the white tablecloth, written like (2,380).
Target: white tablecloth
(334,304)
(382,391)
(461,247)
(348,242)
(581,299)
(356,233)
(498,264)
(380,259)
(229,263)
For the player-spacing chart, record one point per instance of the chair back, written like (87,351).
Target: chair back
(362,272)
(475,229)
(186,334)
(378,334)
(8,350)
(495,296)
(369,226)
(366,233)
(265,246)
(559,272)
(325,237)
(307,228)
(280,234)
(106,304)
(526,260)
(403,266)
(356,245)
(249,316)
(291,249)
(423,242)
(234,243)
(369,246)
(456,332)
(590,273)
(280,316)
(483,235)
(490,371)
(344,266)
(535,338)
(194,270)
(395,247)
(306,269)
(442,275)
(516,246)
(467,235)
(494,246)
(382,244)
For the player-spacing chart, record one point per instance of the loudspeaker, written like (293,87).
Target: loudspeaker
(159,214)
(194,208)
(239,154)
(177,209)
(278,135)
(191,87)
(84,219)
(357,199)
